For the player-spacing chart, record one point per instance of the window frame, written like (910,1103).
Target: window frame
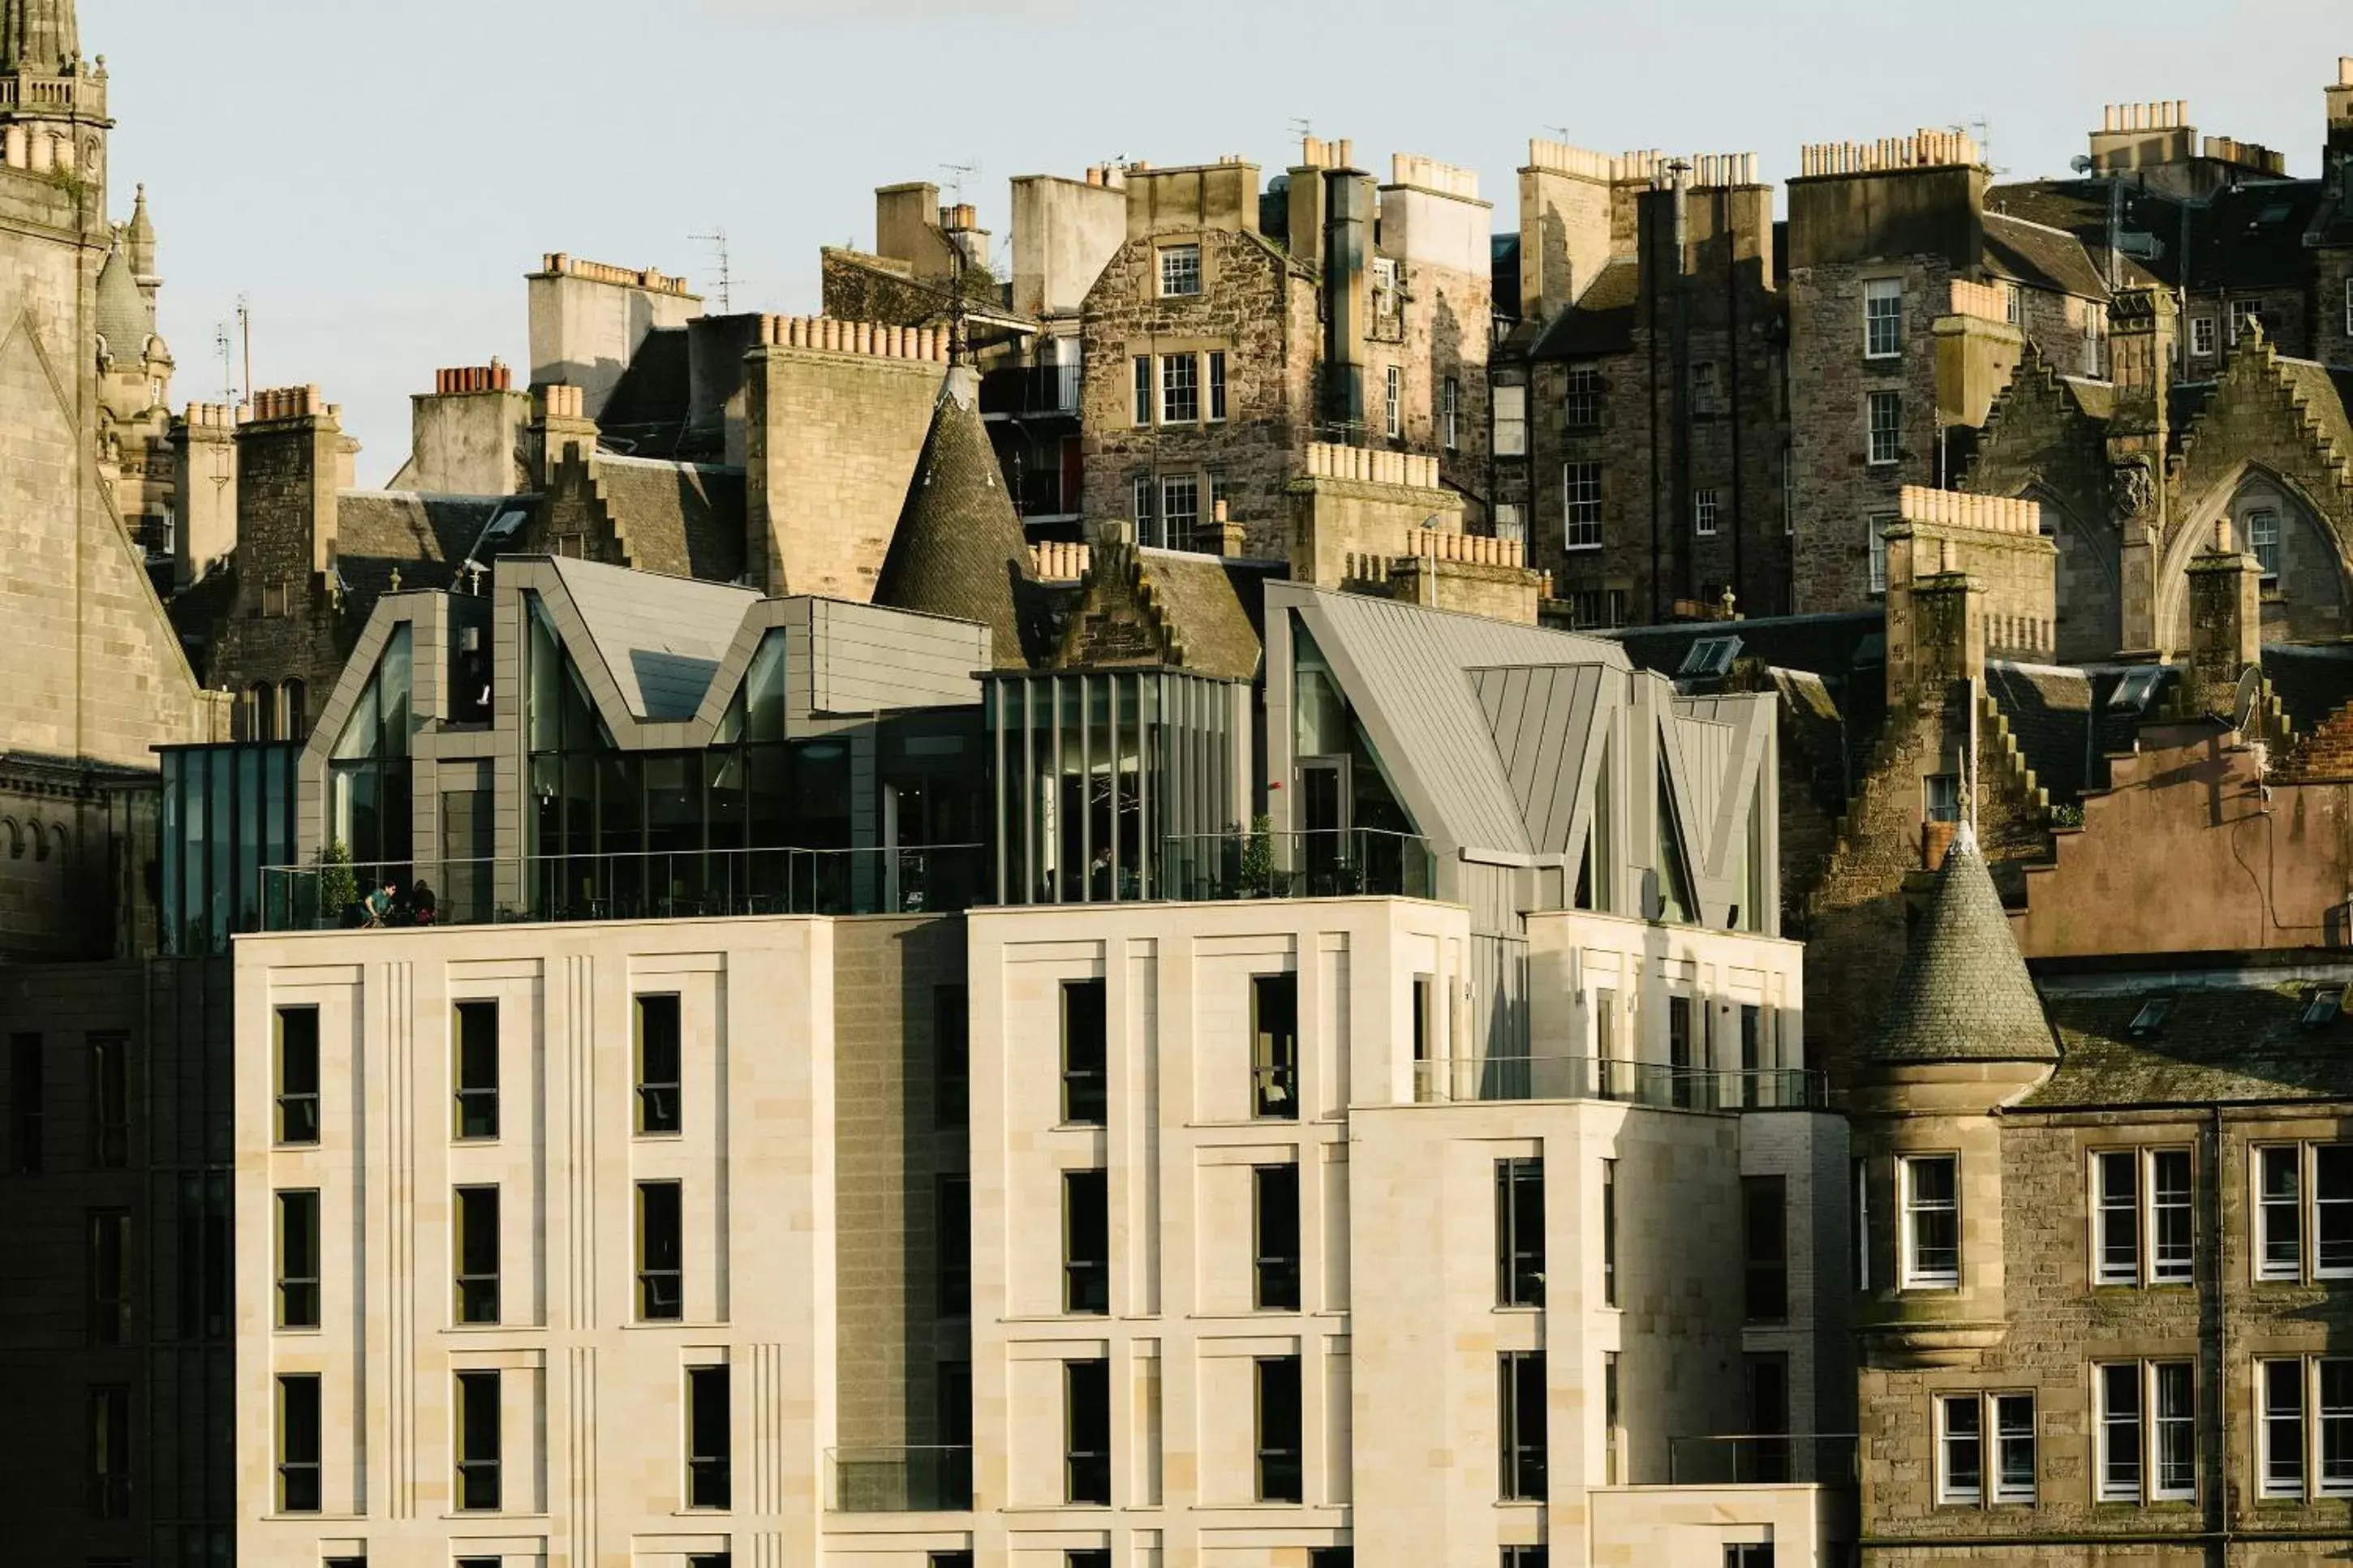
(1180,383)
(2310,1211)
(651,1305)
(1086,1280)
(106,1240)
(301,1392)
(1086,1089)
(1450,414)
(2261,521)
(1097,1492)
(710,1475)
(1525,1462)
(1180,524)
(297,1109)
(477,1446)
(1991,1409)
(287,1205)
(656,1117)
(1274,1056)
(468,1095)
(1278,1470)
(1909,1273)
(1393,402)
(1584,397)
(1511,428)
(1609,1233)
(475,1295)
(2239,313)
(1882,440)
(1759,1271)
(2202,337)
(1706,503)
(1580,505)
(1179,264)
(2129,1246)
(1213,381)
(1520,1258)
(1146,403)
(2268,1418)
(1883,328)
(2153,1430)
(1276,1281)
(2264,1204)
(109,1100)
(1875,525)
(952,1250)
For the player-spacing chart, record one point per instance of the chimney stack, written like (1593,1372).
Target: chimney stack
(2225,621)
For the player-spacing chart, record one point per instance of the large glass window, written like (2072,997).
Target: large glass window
(368,771)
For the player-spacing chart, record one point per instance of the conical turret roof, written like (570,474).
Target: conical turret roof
(139,240)
(958,549)
(1963,995)
(125,318)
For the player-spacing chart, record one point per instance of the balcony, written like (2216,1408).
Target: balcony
(1322,863)
(899,1480)
(1796,1458)
(1031,391)
(1476,1081)
(657,885)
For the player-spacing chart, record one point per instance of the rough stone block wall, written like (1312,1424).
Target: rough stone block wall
(95,669)
(833,441)
(1262,315)
(892,1151)
(2332,334)
(285,501)
(1838,490)
(2038,442)
(1446,324)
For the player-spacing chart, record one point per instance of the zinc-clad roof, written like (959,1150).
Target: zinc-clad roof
(1412,669)
(1963,993)
(661,639)
(2237,1044)
(1542,718)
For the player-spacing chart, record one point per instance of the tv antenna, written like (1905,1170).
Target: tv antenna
(245,331)
(717,240)
(1980,131)
(224,347)
(957,174)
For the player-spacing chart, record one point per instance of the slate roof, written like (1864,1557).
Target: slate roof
(424,538)
(1214,606)
(2310,683)
(685,520)
(1963,993)
(2251,236)
(958,549)
(1601,321)
(2067,721)
(2045,257)
(2238,1043)
(2324,392)
(123,318)
(2079,207)
(661,639)
(649,406)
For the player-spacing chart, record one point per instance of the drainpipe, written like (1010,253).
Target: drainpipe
(2219,1518)
(1679,175)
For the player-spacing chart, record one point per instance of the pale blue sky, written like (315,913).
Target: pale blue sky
(377,176)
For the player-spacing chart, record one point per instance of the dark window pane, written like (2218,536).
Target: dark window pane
(1524,1425)
(955,1247)
(1086,1238)
(27,1103)
(297,1444)
(1280,1474)
(1275,1202)
(658,1064)
(298,1075)
(478,1069)
(1519,1233)
(110,1098)
(1274,1051)
(1087,1426)
(660,1251)
(1765,1237)
(478,1255)
(298,1259)
(1084,1050)
(479,1440)
(109,1276)
(710,1438)
(950,1056)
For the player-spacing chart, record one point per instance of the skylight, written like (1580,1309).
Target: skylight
(1709,657)
(2150,1018)
(2321,1008)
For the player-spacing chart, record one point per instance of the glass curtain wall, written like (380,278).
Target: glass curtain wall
(369,810)
(1102,775)
(228,811)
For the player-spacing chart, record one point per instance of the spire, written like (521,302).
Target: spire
(958,549)
(39,37)
(140,239)
(1963,995)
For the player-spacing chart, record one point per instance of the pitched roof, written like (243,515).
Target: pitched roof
(2069,719)
(424,538)
(2239,1042)
(958,549)
(1963,993)
(1602,321)
(685,520)
(1212,605)
(647,409)
(2251,235)
(2044,256)
(661,639)
(2310,682)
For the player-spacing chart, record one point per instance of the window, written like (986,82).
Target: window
(1749,1554)
(2262,541)
(1520,1232)
(1582,411)
(658,1065)
(1083,1052)
(1508,524)
(1086,1241)
(955,1247)
(2303,1190)
(1705,506)
(2202,337)
(1885,422)
(1929,1196)
(1764,1203)
(1281,1470)
(2143,1201)
(26,1112)
(1768,1418)
(2013,304)
(1580,494)
(1608,1233)
(1707,396)
(1611,1419)
(1393,404)
(1883,318)
(478,1441)
(478,1255)
(1217,385)
(1086,1428)
(1180,389)
(299,1467)
(710,1438)
(1180,510)
(298,1259)
(1383,274)
(1143,389)
(298,1075)
(2246,316)
(660,1247)
(2306,1426)
(1522,1439)
(1511,421)
(478,1069)
(1523,1557)
(1451,413)
(106,1310)
(2148,1431)
(1941,797)
(1963,1421)
(1875,528)
(1859,1227)
(109,1452)
(1274,1206)
(1679,1050)
(1275,1047)
(1180,271)
(2280,1386)
(1087,1557)
(950,1056)
(1140,501)
(110,1102)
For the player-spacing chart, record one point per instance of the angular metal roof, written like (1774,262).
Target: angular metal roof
(661,639)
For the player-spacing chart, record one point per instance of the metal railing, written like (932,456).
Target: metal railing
(644,885)
(1317,863)
(1764,1460)
(1033,390)
(1470,1080)
(899,1480)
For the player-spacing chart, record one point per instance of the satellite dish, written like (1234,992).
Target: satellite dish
(2250,690)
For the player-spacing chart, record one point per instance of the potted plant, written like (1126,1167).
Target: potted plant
(339,885)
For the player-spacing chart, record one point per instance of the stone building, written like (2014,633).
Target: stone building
(1653,456)
(135,372)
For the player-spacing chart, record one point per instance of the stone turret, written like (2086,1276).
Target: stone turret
(138,242)
(1964,1035)
(39,37)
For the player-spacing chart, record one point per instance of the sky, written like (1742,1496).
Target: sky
(376,176)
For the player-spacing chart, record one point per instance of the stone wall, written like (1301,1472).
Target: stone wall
(2038,442)
(833,434)
(286,621)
